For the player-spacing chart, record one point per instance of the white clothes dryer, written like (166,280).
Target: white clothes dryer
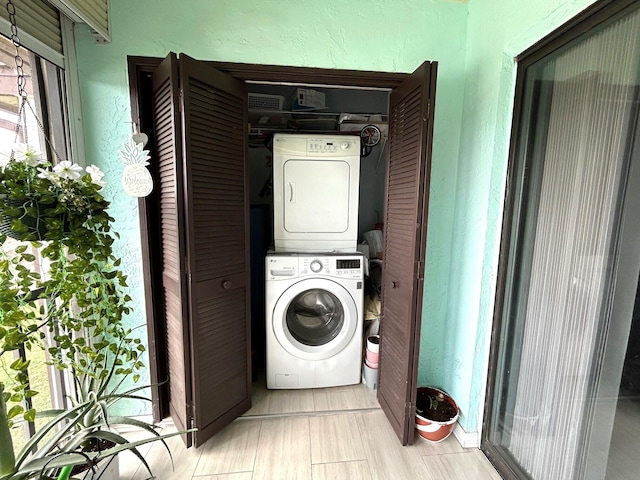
(314,319)
(316,181)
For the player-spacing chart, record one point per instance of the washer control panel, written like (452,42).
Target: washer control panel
(285,266)
(281,267)
(338,265)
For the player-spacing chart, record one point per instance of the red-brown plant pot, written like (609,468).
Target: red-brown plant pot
(431,429)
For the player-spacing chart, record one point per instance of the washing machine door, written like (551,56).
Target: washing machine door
(315,319)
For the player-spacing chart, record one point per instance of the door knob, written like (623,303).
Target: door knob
(226,284)
(394,284)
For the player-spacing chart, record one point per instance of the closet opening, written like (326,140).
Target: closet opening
(334,111)
(196,113)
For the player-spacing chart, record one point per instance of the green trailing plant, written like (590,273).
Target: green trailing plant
(59,275)
(58,271)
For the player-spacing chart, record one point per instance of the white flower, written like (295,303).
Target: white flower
(96,175)
(66,169)
(27,154)
(46,174)
(49,175)
(95,172)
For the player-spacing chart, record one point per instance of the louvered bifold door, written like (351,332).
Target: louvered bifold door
(407,193)
(168,155)
(215,132)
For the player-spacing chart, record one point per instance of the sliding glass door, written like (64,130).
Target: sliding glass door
(571,260)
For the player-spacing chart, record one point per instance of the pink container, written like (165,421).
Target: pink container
(372,356)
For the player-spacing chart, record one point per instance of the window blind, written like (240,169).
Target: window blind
(39,29)
(95,13)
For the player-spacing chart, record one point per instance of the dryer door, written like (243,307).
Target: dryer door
(317,196)
(315,319)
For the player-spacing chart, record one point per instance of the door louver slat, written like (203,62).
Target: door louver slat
(203,218)
(215,350)
(95,13)
(218,183)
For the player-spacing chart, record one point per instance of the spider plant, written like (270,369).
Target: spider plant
(87,431)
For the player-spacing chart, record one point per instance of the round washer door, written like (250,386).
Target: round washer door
(315,319)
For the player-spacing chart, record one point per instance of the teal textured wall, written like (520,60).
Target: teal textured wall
(475,44)
(385,35)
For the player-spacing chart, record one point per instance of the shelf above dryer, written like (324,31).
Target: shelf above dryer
(270,121)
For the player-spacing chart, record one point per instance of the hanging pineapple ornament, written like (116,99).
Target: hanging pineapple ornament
(136,179)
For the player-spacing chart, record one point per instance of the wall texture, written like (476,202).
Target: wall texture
(475,44)
(385,35)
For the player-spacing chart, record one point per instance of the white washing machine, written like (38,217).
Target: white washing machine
(314,319)
(316,181)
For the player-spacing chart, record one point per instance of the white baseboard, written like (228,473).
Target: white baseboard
(466,439)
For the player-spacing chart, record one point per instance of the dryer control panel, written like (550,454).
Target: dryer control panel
(338,146)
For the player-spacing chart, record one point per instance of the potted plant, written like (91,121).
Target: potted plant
(58,273)
(45,202)
(61,444)
(436,414)
(85,436)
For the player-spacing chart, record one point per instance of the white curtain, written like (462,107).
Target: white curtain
(565,309)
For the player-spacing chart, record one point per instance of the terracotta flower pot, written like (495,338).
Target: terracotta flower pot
(430,428)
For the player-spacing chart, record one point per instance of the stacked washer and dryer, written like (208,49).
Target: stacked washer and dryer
(315,276)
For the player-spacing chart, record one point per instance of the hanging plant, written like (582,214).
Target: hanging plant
(43,202)
(81,298)
(62,220)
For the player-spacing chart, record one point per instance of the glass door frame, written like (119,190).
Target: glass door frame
(582,23)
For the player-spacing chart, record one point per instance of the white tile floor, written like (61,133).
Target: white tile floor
(338,433)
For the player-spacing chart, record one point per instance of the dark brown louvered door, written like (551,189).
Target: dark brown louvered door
(405,228)
(168,154)
(214,122)
(201,136)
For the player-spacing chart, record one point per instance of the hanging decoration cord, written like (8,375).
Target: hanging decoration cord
(22,84)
